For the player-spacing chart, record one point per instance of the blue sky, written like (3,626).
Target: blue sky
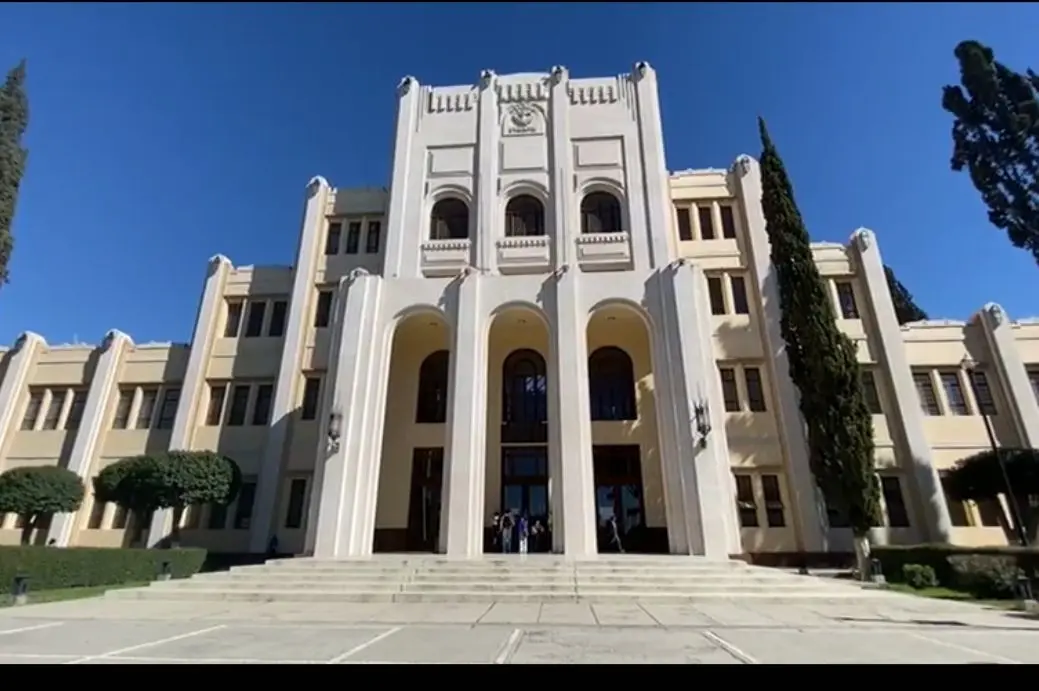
(163,134)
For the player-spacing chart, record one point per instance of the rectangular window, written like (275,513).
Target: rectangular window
(739,295)
(147,409)
(685,224)
(869,392)
(897,516)
(755,391)
(926,393)
(120,519)
(954,393)
(371,241)
(122,409)
(234,318)
(311,390)
(957,509)
(262,407)
(97,516)
(323,313)
(745,503)
(217,517)
(728,222)
(168,410)
(990,511)
(279,310)
(846,298)
(217,393)
(774,515)
(730,393)
(297,495)
(75,416)
(32,410)
(254,320)
(353,237)
(57,402)
(706,222)
(983,394)
(714,292)
(1033,377)
(335,232)
(239,405)
(244,506)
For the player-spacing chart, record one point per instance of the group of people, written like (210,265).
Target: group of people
(512,529)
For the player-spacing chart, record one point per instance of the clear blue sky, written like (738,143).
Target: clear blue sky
(163,134)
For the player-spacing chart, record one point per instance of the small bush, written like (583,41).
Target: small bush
(919,576)
(49,568)
(985,575)
(940,557)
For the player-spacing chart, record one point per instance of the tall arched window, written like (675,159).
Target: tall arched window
(524,216)
(432,388)
(600,213)
(524,409)
(611,383)
(449,220)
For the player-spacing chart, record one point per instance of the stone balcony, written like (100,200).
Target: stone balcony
(529,254)
(444,257)
(604,251)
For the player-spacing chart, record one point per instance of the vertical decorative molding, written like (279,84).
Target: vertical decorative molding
(193,388)
(298,323)
(488,224)
(1010,370)
(16,383)
(405,186)
(656,190)
(907,419)
(561,165)
(84,447)
(809,515)
(466,452)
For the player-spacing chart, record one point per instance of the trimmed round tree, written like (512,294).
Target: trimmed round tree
(823,362)
(169,480)
(34,493)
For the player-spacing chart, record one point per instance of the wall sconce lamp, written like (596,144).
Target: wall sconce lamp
(702,420)
(335,430)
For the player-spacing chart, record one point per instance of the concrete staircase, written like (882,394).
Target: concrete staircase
(532,578)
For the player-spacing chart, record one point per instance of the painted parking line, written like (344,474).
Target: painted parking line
(32,628)
(964,649)
(746,658)
(358,648)
(509,649)
(140,646)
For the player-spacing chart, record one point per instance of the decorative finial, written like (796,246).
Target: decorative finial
(997,313)
(486,78)
(863,238)
(640,68)
(743,164)
(405,85)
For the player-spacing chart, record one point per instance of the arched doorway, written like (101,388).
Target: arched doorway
(411,474)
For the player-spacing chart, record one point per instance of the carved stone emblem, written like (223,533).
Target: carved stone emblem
(522,118)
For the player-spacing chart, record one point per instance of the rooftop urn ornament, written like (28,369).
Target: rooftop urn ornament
(335,430)
(702,421)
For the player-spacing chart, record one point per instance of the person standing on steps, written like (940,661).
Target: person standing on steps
(523,533)
(495,531)
(507,525)
(614,534)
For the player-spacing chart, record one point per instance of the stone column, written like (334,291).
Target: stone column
(560,159)
(466,453)
(102,385)
(906,420)
(193,388)
(15,385)
(570,427)
(346,471)
(1010,371)
(286,387)
(808,516)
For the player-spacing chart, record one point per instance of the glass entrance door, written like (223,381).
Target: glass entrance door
(618,494)
(524,491)
(427,481)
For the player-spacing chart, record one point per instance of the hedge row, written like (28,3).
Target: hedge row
(984,571)
(49,568)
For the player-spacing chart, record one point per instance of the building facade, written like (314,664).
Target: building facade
(536,316)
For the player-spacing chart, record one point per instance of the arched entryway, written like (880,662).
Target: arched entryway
(629,486)
(517,423)
(411,475)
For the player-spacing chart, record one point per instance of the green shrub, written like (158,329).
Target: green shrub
(49,568)
(919,576)
(941,558)
(986,575)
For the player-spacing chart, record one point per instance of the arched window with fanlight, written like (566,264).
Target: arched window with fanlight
(449,220)
(524,217)
(524,410)
(611,385)
(600,213)
(432,388)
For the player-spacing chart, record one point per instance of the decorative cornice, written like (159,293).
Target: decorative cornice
(601,238)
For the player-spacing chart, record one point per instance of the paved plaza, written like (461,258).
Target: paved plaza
(889,629)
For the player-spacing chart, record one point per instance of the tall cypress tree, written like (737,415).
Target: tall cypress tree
(14,118)
(823,363)
(906,310)
(996,137)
